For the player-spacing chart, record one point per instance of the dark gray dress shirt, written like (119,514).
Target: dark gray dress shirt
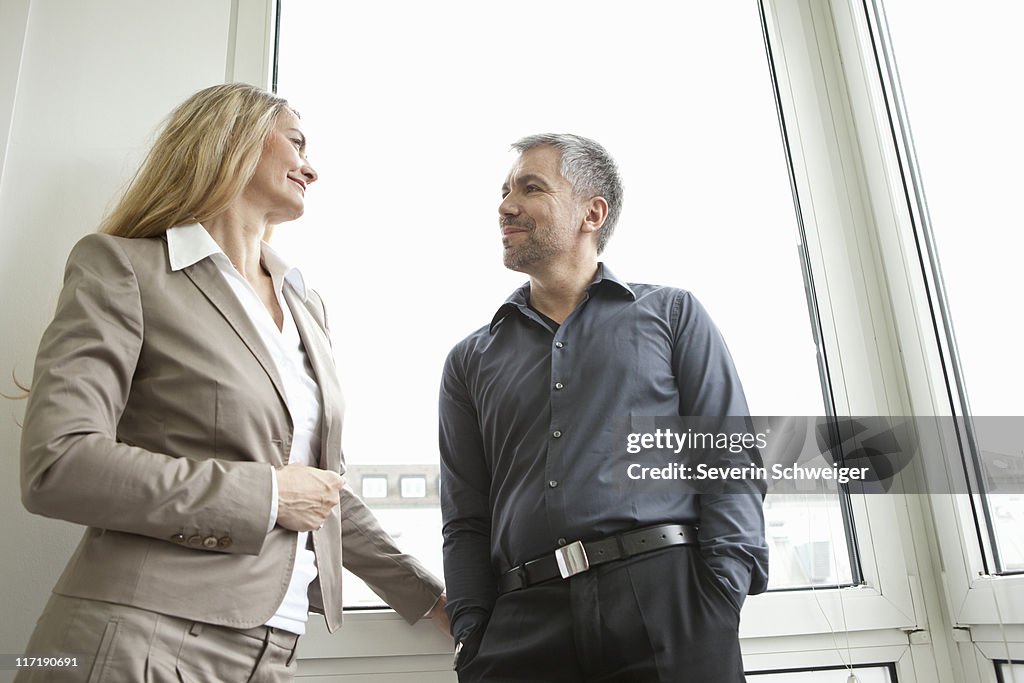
(531,457)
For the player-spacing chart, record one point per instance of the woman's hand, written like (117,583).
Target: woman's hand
(439,616)
(305,496)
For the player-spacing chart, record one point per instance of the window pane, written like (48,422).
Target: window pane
(1009,672)
(868,674)
(410,109)
(965,119)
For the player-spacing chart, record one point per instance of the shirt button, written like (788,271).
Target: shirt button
(225,542)
(559,386)
(178,538)
(195,540)
(561,541)
(553,484)
(557,434)
(559,345)
(210,542)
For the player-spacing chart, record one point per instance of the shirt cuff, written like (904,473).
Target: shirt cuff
(732,573)
(468,623)
(273,499)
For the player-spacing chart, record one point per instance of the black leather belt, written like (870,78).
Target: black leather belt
(578,556)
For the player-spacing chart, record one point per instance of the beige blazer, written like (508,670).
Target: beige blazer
(154,415)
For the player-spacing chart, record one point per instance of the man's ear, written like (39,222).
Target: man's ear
(595,213)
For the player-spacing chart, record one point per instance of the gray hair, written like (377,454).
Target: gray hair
(589,169)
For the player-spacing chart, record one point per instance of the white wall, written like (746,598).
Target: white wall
(83,86)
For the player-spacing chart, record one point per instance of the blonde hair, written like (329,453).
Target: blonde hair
(203,158)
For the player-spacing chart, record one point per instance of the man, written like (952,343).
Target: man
(558,567)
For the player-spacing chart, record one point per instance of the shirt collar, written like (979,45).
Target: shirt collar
(190,244)
(280,269)
(520,299)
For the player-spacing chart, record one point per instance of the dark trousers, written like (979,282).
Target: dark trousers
(660,616)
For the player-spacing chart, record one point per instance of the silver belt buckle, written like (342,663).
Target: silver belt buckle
(572,559)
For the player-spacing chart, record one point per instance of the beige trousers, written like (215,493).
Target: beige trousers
(116,643)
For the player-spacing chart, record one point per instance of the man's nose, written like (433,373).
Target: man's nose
(508,206)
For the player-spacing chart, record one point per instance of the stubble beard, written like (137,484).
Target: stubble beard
(529,251)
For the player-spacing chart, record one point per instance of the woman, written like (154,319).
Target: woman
(185,408)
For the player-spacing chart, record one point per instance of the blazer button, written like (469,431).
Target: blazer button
(210,542)
(195,540)
(178,538)
(225,542)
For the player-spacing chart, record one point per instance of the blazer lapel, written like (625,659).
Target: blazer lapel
(211,283)
(318,348)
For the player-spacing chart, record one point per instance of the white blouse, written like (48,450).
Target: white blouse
(190,244)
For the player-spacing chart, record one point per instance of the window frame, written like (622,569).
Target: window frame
(932,382)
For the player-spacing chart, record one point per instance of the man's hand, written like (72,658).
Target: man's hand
(305,496)
(439,616)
